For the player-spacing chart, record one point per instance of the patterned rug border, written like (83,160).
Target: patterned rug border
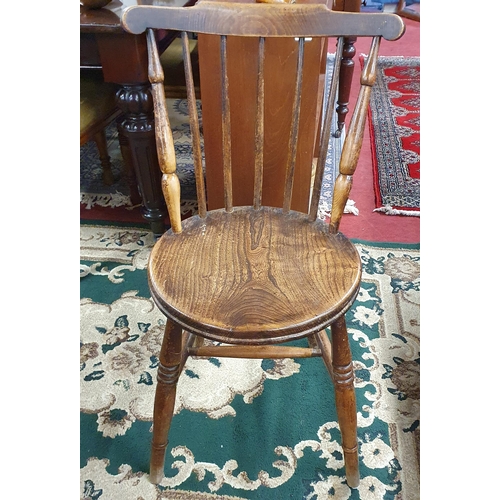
(145,226)
(387,208)
(120,224)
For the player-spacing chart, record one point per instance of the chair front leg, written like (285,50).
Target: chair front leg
(168,376)
(345,399)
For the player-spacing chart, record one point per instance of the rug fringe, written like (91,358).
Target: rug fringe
(324,209)
(112,200)
(350,208)
(388,210)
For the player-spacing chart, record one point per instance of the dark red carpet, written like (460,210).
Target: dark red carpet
(369,225)
(394,124)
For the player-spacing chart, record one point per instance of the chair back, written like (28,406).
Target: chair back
(260,21)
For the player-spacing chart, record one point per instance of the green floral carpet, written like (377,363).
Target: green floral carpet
(253,429)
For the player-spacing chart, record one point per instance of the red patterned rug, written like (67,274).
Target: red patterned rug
(394,124)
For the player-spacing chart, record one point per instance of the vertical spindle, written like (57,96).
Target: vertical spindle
(226,128)
(259,129)
(326,132)
(195,128)
(294,131)
(164,141)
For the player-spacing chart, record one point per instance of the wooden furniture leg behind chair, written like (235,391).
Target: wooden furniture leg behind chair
(253,278)
(97,111)
(347,66)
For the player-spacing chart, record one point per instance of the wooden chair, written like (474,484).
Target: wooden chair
(97,110)
(252,278)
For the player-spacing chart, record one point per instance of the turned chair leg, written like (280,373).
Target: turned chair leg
(168,376)
(102,148)
(345,399)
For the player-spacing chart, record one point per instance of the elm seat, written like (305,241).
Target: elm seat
(97,110)
(256,277)
(280,259)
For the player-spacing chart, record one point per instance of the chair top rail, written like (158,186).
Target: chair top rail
(263,20)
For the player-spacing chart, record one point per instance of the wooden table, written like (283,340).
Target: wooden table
(123,59)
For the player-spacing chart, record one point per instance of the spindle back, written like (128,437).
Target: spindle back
(297,21)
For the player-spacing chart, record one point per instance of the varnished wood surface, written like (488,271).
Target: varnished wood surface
(107,19)
(279,73)
(325,134)
(270,20)
(277,76)
(354,138)
(257,276)
(254,276)
(254,352)
(347,5)
(404,11)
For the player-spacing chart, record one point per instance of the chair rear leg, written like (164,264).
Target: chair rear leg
(168,376)
(102,148)
(345,399)
(128,170)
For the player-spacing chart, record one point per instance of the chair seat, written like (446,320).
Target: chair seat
(254,276)
(97,104)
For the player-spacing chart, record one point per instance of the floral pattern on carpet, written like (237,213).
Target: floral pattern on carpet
(255,429)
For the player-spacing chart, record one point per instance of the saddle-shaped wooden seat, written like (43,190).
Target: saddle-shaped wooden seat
(293,277)
(253,278)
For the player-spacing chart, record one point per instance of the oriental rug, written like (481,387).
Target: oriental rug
(394,124)
(244,429)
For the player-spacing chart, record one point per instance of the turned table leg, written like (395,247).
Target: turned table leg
(137,126)
(102,148)
(129,172)
(345,81)
(124,61)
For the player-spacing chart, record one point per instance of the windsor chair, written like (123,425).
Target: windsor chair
(252,278)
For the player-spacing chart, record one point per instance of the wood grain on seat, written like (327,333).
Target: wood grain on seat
(254,276)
